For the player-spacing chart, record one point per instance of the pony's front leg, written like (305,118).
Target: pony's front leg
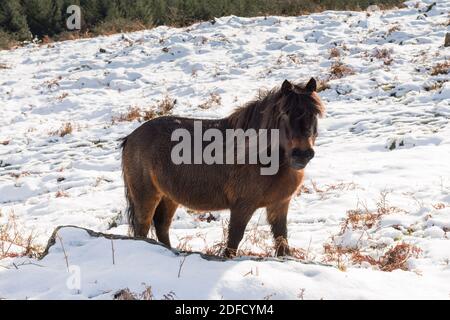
(277,217)
(239,218)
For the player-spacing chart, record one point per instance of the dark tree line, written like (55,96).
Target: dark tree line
(24,19)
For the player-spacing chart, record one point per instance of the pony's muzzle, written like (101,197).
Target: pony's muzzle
(300,158)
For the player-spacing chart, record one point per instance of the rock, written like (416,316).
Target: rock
(447,40)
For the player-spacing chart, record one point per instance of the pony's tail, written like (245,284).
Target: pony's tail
(130,212)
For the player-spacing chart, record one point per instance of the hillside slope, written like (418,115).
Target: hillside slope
(376,197)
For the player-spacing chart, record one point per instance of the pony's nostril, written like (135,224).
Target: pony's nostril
(297,153)
(307,154)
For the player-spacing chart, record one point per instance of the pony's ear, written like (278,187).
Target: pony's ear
(311,86)
(286,87)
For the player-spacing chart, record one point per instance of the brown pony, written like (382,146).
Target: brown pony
(155,186)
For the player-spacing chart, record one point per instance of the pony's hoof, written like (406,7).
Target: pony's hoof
(283,251)
(229,253)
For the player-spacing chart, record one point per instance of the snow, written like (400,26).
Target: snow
(386,130)
(141,264)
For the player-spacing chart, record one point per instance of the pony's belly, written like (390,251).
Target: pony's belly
(195,195)
(199,202)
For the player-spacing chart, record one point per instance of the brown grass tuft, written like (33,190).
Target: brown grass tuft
(54,83)
(61,194)
(126,294)
(207,217)
(383,54)
(389,259)
(62,96)
(440,206)
(133,113)
(364,219)
(149,115)
(298,253)
(339,70)
(14,242)
(396,257)
(322,85)
(213,100)
(325,191)
(183,244)
(335,53)
(162,108)
(434,86)
(166,105)
(46,40)
(392,29)
(441,68)
(65,129)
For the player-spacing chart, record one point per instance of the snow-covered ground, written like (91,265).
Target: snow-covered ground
(383,148)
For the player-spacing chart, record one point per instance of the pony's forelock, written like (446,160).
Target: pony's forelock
(269,107)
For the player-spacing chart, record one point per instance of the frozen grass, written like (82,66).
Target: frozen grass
(15,240)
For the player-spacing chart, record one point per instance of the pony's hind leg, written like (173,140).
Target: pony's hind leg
(144,214)
(144,198)
(163,218)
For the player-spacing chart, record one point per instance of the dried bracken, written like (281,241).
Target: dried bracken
(162,108)
(441,68)
(133,113)
(322,84)
(213,100)
(393,29)
(335,53)
(166,105)
(328,189)
(127,294)
(339,70)
(383,54)
(61,194)
(365,221)
(14,242)
(396,257)
(62,96)
(440,206)
(65,129)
